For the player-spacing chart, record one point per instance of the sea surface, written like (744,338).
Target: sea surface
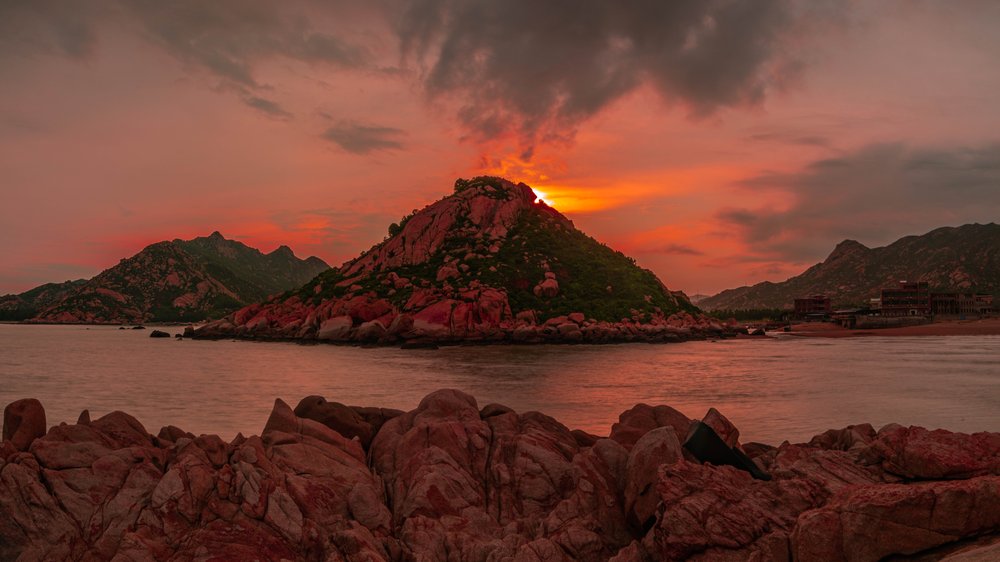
(773,389)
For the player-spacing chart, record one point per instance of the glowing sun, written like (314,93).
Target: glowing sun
(543,197)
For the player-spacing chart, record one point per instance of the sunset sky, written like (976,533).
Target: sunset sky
(720,143)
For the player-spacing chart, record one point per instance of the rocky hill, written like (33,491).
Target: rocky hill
(454,481)
(490,262)
(963,258)
(28,304)
(180,280)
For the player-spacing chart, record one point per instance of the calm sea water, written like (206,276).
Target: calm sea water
(772,389)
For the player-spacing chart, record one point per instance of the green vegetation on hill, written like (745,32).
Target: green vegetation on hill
(593,279)
(247,271)
(27,304)
(182,281)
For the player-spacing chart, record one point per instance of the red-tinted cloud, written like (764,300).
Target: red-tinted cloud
(719,143)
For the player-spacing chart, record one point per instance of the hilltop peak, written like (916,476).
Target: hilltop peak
(216,235)
(846,248)
(283,250)
(480,213)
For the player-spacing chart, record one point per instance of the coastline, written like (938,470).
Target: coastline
(973,327)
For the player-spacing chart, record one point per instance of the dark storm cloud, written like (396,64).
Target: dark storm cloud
(540,68)
(875,194)
(364,139)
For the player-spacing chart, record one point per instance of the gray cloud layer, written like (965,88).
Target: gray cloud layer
(540,68)
(677,249)
(534,69)
(226,39)
(875,194)
(62,27)
(363,139)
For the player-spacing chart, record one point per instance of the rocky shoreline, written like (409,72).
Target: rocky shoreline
(403,329)
(451,480)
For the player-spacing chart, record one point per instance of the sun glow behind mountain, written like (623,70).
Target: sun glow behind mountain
(543,197)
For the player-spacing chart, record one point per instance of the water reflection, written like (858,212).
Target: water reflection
(773,390)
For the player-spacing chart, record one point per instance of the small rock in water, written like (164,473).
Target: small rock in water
(159,334)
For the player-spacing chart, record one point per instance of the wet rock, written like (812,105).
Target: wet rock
(23,422)
(335,329)
(372,331)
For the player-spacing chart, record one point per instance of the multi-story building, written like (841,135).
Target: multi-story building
(908,299)
(916,299)
(816,305)
(983,304)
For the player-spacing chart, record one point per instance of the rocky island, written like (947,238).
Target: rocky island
(453,480)
(489,263)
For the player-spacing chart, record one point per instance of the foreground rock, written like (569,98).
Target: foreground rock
(454,481)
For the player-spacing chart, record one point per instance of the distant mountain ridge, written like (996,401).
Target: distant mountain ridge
(965,258)
(489,262)
(29,303)
(178,280)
